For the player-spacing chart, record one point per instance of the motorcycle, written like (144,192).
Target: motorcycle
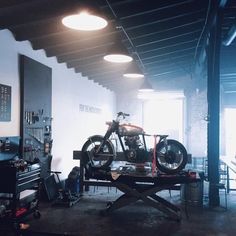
(170,156)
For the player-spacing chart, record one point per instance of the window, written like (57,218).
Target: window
(164,116)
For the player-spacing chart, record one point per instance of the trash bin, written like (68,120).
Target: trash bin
(192,193)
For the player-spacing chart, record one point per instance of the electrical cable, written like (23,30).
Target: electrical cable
(203,29)
(126,34)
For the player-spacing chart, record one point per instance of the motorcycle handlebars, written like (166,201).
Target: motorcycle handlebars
(122,114)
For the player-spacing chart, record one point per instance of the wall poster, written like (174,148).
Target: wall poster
(5,103)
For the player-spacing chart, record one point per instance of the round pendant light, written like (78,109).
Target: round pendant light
(84,21)
(146,87)
(118,58)
(118,54)
(133,71)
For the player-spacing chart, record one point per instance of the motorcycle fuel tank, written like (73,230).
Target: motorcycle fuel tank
(130,130)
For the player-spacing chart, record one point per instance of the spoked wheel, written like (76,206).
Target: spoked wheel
(171,157)
(104,157)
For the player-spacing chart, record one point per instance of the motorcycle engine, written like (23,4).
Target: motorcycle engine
(135,152)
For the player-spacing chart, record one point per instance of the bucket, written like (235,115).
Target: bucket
(192,193)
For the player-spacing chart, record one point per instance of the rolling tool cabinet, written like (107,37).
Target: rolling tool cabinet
(19,193)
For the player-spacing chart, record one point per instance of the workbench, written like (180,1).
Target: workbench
(135,184)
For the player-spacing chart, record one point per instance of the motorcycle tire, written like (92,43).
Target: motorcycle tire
(172,160)
(104,158)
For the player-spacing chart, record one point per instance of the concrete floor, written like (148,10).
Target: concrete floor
(85,219)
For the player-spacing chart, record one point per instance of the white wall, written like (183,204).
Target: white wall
(70,126)
(128,103)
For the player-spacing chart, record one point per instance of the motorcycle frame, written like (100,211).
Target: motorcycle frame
(114,128)
(159,150)
(122,144)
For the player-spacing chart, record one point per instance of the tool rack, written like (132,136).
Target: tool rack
(19,193)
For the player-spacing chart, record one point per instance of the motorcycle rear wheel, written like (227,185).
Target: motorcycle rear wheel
(171,158)
(103,158)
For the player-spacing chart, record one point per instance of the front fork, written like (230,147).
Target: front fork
(165,141)
(161,139)
(165,144)
(105,138)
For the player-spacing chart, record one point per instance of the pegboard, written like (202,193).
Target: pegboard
(36,118)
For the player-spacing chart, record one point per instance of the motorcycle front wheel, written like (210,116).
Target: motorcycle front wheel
(104,157)
(171,156)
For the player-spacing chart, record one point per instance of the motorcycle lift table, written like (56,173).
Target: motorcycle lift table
(135,186)
(145,188)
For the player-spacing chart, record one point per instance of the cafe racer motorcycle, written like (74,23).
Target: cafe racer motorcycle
(170,155)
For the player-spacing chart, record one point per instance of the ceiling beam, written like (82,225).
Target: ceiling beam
(171,59)
(169,47)
(65,50)
(185,36)
(109,73)
(165,19)
(72,37)
(168,73)
(174,53)
(101,66)
(153,10)
(13,3)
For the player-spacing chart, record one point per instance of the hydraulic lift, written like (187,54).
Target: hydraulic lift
(135,185)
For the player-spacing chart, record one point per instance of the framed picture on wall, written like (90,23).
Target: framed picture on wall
(5,102)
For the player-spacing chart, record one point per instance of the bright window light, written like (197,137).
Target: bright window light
(118,58)
(164,117)
(84,21)
(230,128)
(143,92)
(161,95)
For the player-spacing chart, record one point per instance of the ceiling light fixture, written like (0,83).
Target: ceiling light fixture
(118,54)
(133,71)
(146,87)
(84,21)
